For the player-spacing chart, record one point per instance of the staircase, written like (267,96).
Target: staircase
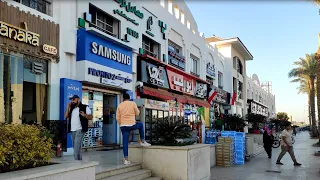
(257,149)
(125,172)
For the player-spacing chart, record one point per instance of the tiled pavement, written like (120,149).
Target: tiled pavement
(257,168)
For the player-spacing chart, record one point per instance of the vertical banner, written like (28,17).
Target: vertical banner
(68,88)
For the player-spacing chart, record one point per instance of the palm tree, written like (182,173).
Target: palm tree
(307,68)
(304,88)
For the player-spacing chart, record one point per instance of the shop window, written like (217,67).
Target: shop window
(196,66)
(220,80)
(23,81)
(150,47)
(42,6)
(104,22)
(182,17)
(170,7)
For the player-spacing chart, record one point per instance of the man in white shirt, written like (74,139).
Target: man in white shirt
(79,116)
(286,145)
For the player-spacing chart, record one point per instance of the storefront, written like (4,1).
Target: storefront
(220,101)
(184,93)
(104,72)
(28,44)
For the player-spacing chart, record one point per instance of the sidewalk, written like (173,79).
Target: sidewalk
(257,168)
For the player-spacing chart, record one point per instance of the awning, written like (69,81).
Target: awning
(165,96)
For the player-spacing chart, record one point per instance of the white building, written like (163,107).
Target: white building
(101,48)
(236,56)
(259,95)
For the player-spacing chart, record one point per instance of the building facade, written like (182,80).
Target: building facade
(152,50)
(260,98)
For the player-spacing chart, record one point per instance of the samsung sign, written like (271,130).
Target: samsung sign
(111,54)
(103,51)
(108,75)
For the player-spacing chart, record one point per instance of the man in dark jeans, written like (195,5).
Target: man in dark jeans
(126,113)
(79,116)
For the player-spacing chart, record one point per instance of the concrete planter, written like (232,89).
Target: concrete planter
(66,171)
(175,162)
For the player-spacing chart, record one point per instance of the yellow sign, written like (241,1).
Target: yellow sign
(50,49)
(19,34)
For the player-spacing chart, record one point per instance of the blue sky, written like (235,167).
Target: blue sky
(276,34)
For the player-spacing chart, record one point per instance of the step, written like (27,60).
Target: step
(153,178)
(117,169)
(133,175)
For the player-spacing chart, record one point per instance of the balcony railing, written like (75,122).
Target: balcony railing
(39,5)
(146,51)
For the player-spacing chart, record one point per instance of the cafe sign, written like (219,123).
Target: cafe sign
(20,34)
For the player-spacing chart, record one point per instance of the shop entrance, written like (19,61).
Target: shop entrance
(104,131)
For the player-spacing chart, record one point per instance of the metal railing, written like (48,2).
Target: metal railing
(146,51)
(39,5)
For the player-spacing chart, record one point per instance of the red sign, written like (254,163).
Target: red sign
(181,83)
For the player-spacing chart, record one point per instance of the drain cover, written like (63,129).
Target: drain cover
(273,171)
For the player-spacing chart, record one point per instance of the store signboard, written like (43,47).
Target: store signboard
(201,90)
(176,59)
(180,83)
(153,74)
(103,52)
(221,97)
(256,108)
(98,74)
(211,70)
(159,105)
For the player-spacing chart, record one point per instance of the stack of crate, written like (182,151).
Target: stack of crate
(224,152)
(240,148)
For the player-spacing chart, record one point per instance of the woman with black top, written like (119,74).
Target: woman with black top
(268,141)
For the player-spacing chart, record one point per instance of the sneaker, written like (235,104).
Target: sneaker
(144,144)
(297,164)
(280,163)
(126,162)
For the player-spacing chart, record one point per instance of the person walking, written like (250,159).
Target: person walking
(286,145)
(126,113)
(78,116)
(267,142)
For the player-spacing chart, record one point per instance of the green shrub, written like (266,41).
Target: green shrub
(167,132)
(24,146)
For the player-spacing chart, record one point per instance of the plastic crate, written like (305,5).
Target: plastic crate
(240,134)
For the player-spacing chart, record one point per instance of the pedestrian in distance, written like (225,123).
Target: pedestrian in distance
(126,113)
(79,116)
(286,145)
(267,142)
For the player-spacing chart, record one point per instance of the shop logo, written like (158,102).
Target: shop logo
(49,49)
(163,27)
(130,8)
(201,90)
(155,74)
(108,75)
(211,69)
(187,86)
(149,26)
(111,54)
(74,88)
(19,34)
